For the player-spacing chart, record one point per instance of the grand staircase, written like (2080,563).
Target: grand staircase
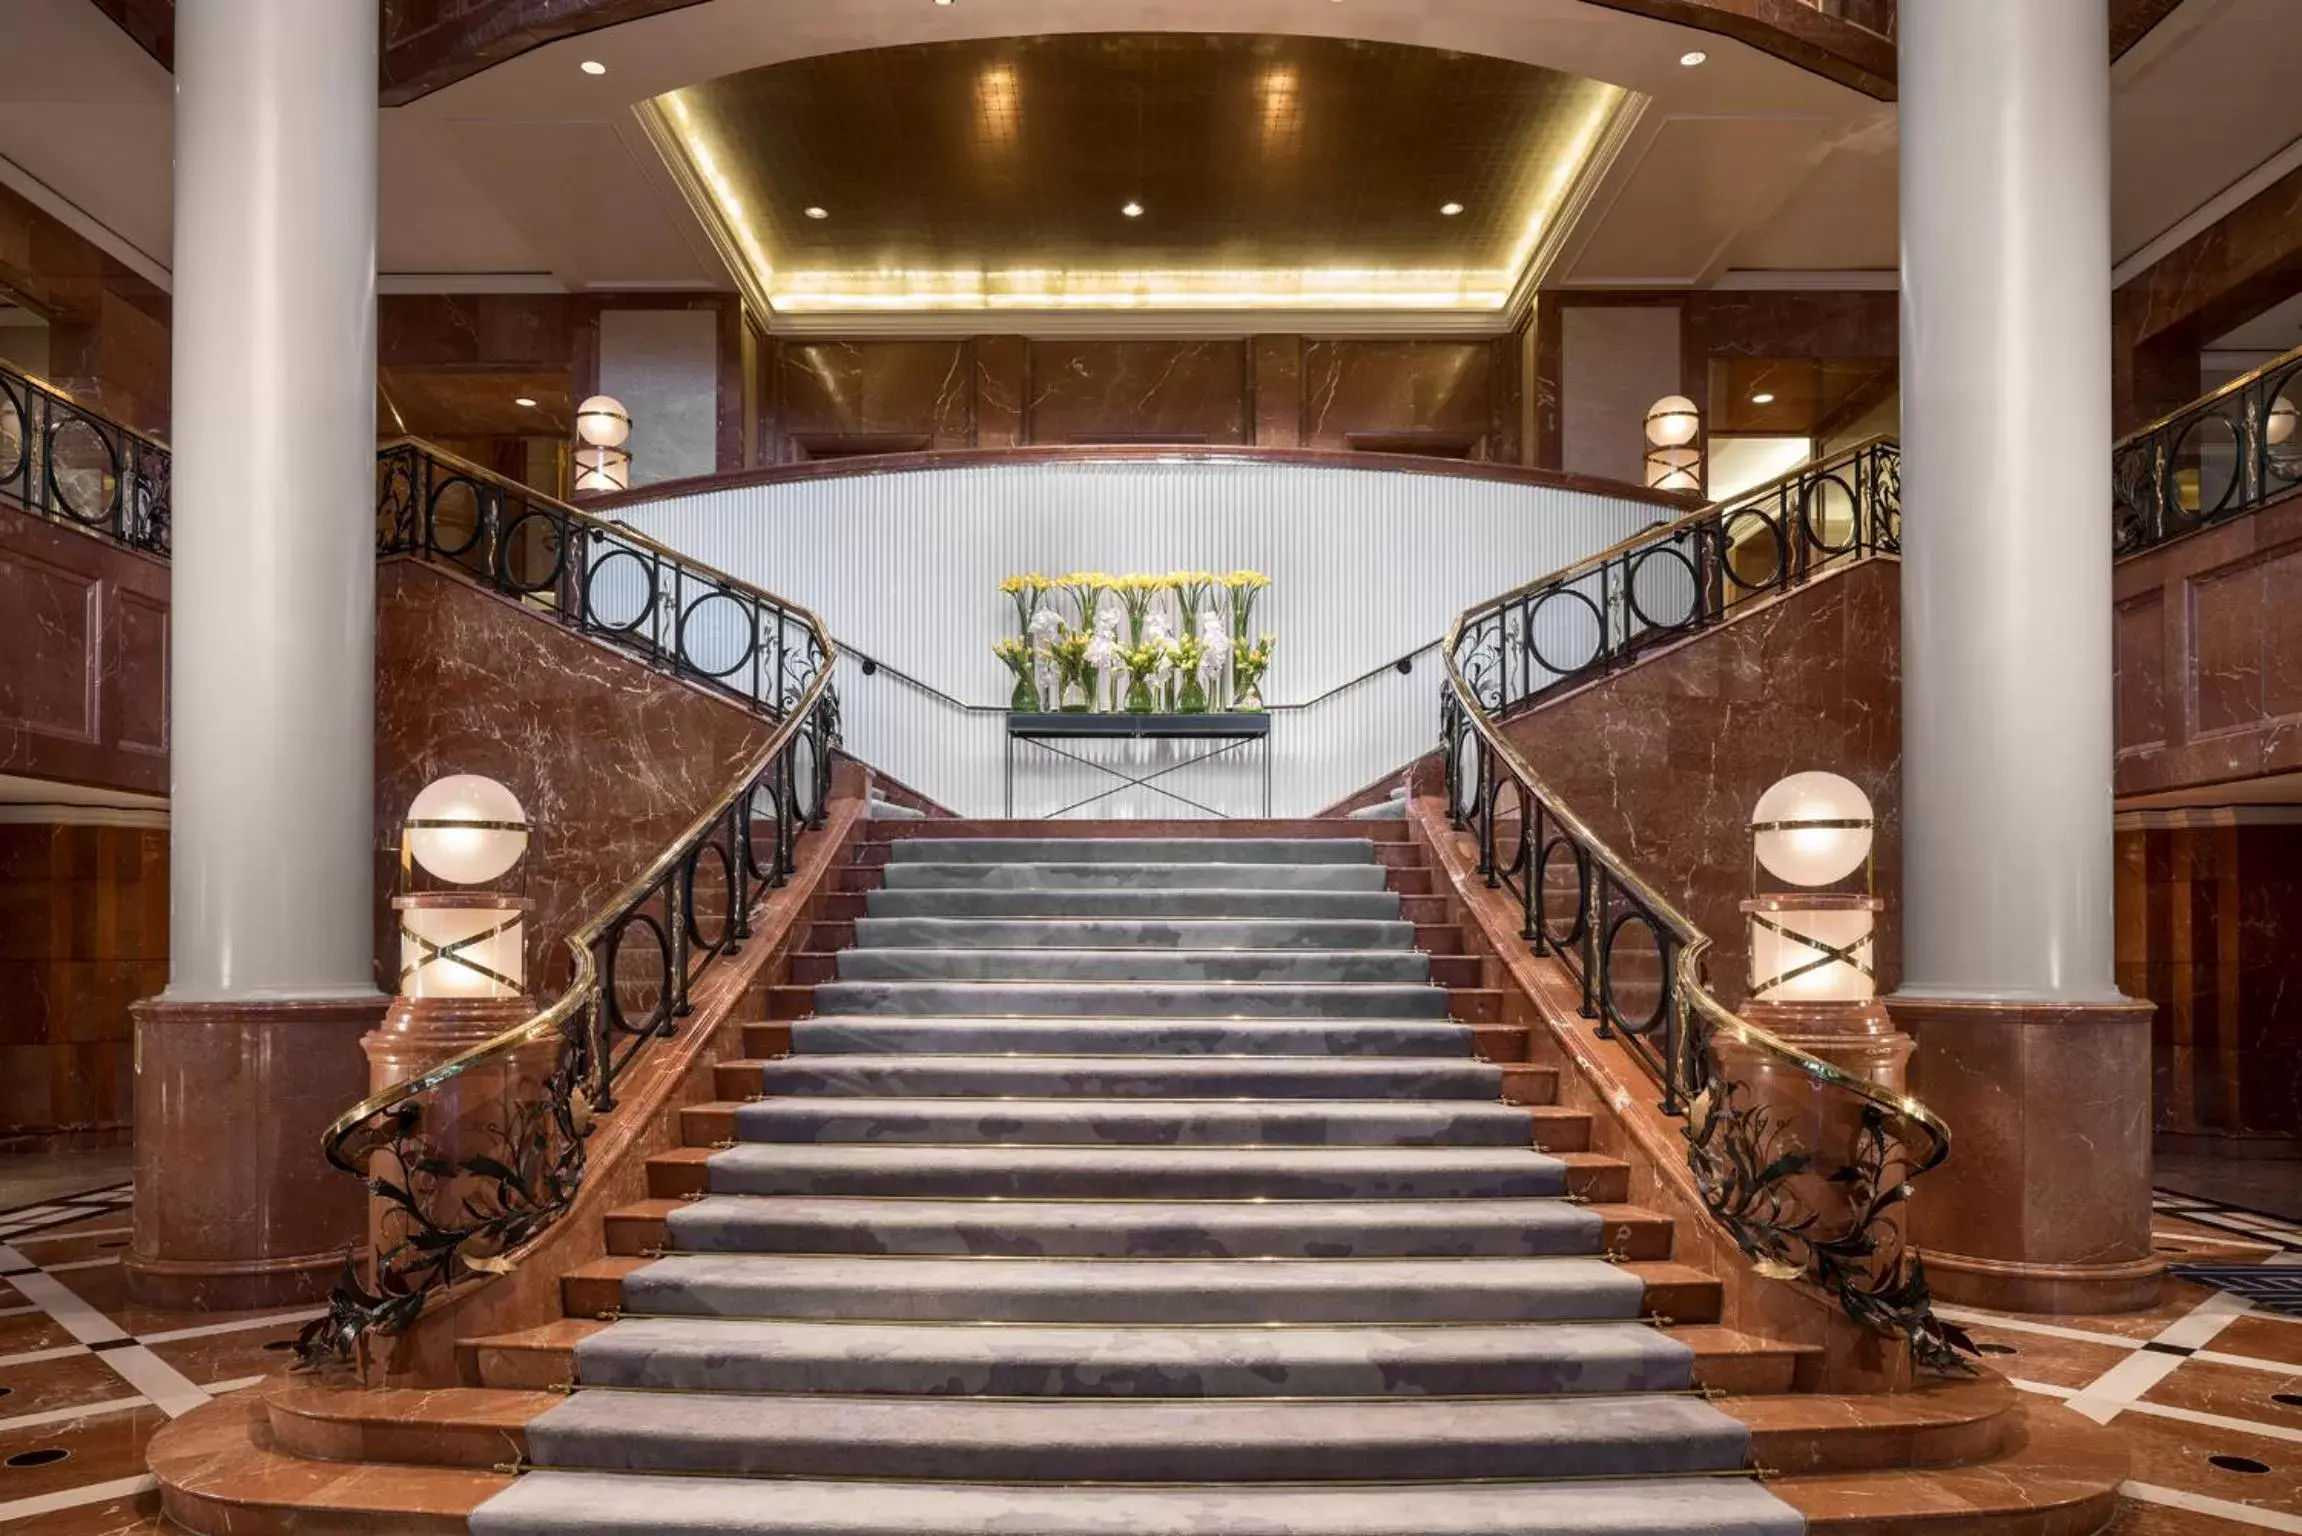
(1129,1184)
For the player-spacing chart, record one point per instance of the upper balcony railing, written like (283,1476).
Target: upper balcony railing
(63,461)
(2215,459)
(1674,578)
(1756,1109)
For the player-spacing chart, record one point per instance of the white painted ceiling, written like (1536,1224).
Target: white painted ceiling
(536,175)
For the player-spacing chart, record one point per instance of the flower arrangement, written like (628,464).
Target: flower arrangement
(1026,591)
(1022,660)
(1186,652)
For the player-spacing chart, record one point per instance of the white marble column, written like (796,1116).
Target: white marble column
(254,1047)
(2025,1047)
(273,660)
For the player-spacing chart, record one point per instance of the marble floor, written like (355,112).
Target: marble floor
(2206,1388)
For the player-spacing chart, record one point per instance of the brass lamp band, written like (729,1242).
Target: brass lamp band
(1830,954)
(1850,823)
(435,953)
(430,825)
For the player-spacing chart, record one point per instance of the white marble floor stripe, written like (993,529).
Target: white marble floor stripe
(2173,1411)
(75,1411)
(2205,1504)
(127,1359)
(2109,1394)
(75,1498)
(236,1325)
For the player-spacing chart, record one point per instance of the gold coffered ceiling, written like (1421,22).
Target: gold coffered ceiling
(1273,173)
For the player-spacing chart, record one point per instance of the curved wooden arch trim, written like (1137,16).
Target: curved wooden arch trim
(1672,503)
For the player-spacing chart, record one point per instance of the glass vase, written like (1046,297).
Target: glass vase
(1194,699)
(1139,700)
(1250,696)
(1075,699)
(1025,699)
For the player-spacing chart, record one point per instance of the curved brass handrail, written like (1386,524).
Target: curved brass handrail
(459,1211)
(1741,1162)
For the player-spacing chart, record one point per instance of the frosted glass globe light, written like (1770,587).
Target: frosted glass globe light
(1672,422)
(603,422)
(466,829)
(1812,829)
(2280,422)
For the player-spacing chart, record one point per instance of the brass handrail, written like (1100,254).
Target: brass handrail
(2245,380)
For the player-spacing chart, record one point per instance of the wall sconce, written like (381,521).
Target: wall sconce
(462,830)
(1674,463)
(1807,944)
(602,463)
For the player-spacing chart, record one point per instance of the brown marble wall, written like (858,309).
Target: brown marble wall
(610,759)
(836,397)
(2208,652)
(84,628)
(107,325)
(1665,759)
(2220,278)
(83,934)
(2209,910)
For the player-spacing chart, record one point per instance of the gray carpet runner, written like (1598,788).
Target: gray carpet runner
(1134,1186)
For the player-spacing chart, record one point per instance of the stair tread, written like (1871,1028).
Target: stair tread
(622,1502)
(1169,850)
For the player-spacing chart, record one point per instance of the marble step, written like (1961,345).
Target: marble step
(1113,875)
(1236,902)
(1309,967)
(1082,1122)
(1139,1173)
(1241,1440)
(1133,933)
(1189,999)
(1190,1292)
(833,1034)
(1130,1077)
(1153,1229)
(687,1354)
(1132,850)
(565,1503)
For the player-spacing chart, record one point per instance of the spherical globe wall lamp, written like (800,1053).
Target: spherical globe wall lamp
(602,462)
(1674,462)
(1812,829)
(465,829)
(2281,421)
(462,830)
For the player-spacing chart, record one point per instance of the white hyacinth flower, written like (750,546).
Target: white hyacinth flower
(1046,624)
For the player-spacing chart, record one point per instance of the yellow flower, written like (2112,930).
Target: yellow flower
(1251,580)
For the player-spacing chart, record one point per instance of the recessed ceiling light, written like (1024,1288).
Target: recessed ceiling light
(523,400)
(1690,60)
(1762,398)
(1132,209)
(592,67)
(814,212)
(1450,209)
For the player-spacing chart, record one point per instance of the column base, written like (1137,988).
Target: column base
(235,1206)
(2044,1203)
(1858,1038)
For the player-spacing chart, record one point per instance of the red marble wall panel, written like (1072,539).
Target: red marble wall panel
(107,324)
(908,394)
(2209,906)
(610,759)
(83,934)
(1002,385)
(1118,391)
(1665,759)
(2210,626)
(1440,389)
(84,624)
(1275,366)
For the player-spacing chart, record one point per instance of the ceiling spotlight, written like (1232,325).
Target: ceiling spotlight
(1450,209)
(814,212)
(1132,209)
(592,67)
(524,401)
(1762,398)
(942,2)
(1690,60)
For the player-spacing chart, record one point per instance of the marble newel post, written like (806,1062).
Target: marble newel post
(2025,1046)
(254,1046)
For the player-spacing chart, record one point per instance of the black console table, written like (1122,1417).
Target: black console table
(1235,732)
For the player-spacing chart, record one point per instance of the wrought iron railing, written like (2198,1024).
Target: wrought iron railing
(1672,579)
(469,1160)
(1755,1107)
(2215,459)
(65,462)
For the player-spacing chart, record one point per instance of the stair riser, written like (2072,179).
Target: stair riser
(1397,968)
(1122,933)
(1130,831)
(1182,999)
(1124,1079)
(1059,1459)
(894,1035)
(1347,906)
(1537,1372)
(1113,850)
(1534,1181)
(960,1123)
(1364,1232)
(1138,877)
